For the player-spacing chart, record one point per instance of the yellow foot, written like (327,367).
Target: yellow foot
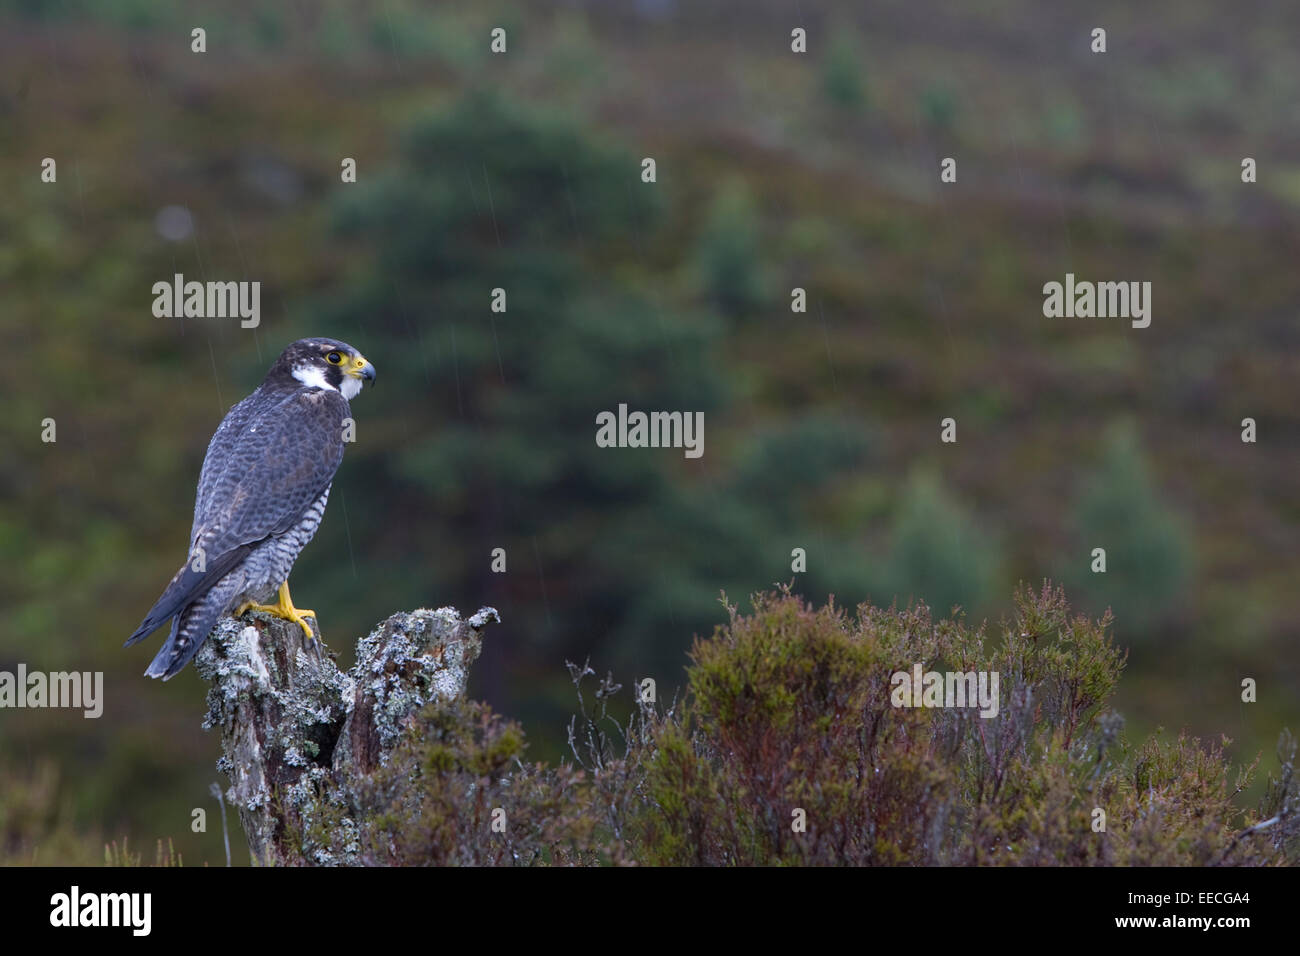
(283,608)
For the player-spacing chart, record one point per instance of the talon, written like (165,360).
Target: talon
(272,609)
(283,608)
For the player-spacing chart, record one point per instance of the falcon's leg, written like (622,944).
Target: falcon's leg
(283,608)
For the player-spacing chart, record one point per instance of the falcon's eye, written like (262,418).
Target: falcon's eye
(334,358)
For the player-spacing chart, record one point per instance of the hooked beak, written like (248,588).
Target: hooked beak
(362,369)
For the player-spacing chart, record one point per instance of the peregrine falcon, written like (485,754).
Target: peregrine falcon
(263,487)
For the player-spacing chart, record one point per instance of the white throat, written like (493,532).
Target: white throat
(312,377)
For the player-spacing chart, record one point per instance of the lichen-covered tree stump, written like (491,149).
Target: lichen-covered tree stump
(299,736)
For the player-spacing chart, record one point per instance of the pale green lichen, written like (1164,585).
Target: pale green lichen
(410,660)
(287,711)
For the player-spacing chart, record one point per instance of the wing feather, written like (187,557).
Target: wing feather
(278,460)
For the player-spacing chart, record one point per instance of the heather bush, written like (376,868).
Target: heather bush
(789,708)
(458,792)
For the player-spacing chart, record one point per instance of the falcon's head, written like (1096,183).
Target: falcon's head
(324,363)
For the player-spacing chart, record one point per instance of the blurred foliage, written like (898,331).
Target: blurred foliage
(521,172)
(36,825)
(1148,552)
(727,253)
(843,76)
(938,554)
(939,107)
(534,206)
(165,855)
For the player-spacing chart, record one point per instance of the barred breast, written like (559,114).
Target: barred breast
(268,565)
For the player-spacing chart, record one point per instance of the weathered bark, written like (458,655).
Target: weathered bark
(299,736)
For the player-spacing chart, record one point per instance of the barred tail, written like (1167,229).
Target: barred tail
(189,630)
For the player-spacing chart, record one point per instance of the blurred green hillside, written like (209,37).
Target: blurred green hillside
(522,171)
